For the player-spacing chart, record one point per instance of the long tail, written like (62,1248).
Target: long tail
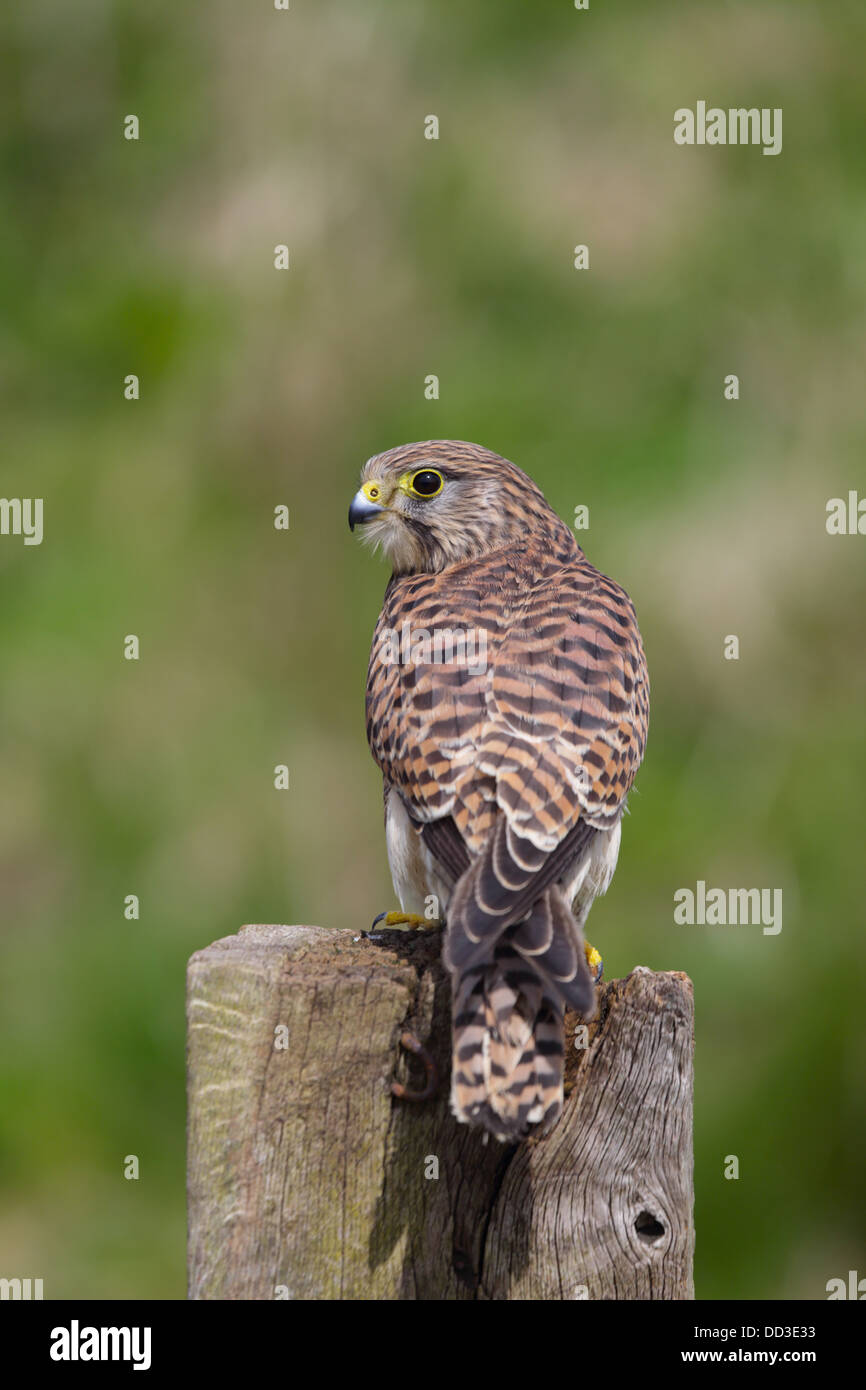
(507,1071)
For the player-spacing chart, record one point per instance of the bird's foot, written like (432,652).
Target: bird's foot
(411,921)
(594,961)
(431,1086)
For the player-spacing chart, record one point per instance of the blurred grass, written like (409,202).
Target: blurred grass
(411,257)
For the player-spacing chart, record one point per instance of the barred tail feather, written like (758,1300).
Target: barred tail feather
(550,939)
(507,1072)
(516,955)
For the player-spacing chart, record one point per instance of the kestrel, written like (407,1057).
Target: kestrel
(507,708)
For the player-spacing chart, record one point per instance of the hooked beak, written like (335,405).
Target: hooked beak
(364,507)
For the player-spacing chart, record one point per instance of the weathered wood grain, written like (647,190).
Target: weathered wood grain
(308,1180)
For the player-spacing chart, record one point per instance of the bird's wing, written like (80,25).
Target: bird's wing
(565,733)
(529,751)
(569,702)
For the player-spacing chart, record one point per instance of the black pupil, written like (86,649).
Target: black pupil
(426,483)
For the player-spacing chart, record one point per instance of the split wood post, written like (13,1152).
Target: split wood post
(307,1179)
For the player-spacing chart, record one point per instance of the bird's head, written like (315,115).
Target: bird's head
(443,502)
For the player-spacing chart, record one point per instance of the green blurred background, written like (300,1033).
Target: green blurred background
(411,257)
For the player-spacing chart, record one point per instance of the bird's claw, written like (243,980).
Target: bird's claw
(412,921)
(594,961)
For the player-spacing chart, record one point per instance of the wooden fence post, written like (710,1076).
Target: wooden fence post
(308,1180)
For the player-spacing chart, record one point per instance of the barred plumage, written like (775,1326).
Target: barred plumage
(505,778)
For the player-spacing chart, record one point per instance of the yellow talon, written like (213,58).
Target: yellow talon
(412,921)
(594,961)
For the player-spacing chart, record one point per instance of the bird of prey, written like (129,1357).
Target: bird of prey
(507,752)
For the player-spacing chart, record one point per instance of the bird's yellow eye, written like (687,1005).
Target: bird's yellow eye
(426,482)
